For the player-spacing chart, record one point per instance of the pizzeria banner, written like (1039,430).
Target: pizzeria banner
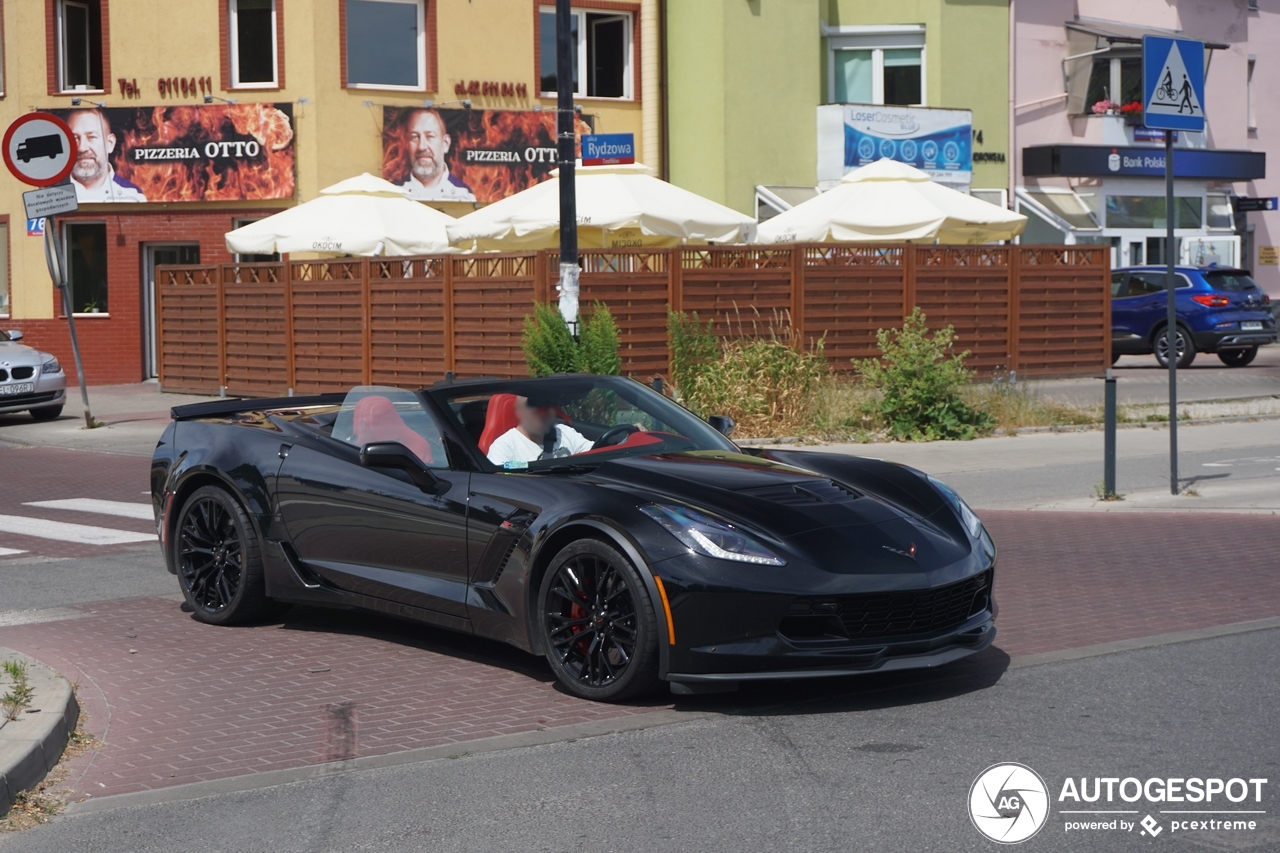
(213,152)
(469,155)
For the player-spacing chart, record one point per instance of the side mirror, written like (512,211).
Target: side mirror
(722,424)
(14,335)
(393,454)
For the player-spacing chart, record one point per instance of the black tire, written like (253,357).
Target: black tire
(219,560)
(1186,347)
(1115,356)
(1237,357)
(48,413)
(597,623)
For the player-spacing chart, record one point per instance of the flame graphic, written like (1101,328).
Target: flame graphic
(488,130)
(265,176)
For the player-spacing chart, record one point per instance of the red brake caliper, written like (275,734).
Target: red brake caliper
(577,611)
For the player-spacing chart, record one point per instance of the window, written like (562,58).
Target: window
(602,53)
(1251,115)
(271,258)
(252,31)
(876,65)
(79,45)
(1115,78)
(1132,211)
(4,267)
(386,44)
(1218,211)
(373,413)
(86,253)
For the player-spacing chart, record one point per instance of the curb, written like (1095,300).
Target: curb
(31,745)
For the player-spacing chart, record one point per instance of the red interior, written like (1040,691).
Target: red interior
(498,419)
(376,419)
(636,439)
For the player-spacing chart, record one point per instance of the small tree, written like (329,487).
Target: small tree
(549,347)
(919,379)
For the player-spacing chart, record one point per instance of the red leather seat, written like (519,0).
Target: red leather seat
(376,419)
(498,419)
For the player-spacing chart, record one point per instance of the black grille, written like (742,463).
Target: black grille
(4,374)
(882,615)
(23,372)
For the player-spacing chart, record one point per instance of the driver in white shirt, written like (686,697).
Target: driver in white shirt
(524,442)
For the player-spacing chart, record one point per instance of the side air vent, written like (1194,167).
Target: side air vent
(506,558)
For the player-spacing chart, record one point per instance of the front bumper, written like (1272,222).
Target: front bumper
(50,390)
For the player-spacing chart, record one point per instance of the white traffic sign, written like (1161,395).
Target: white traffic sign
(50,201)
(38,149)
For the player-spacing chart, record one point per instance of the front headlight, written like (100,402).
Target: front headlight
(971,521)
(711,537)
(51,366)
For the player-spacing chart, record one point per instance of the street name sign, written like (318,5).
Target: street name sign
(1244,204)
(1173,83)
(50,201)
(38,149)
(608,149)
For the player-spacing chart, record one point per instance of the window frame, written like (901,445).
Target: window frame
(1251,112)
(64,240)
(233,48)
(240,222)
(426,43)
(59,56)
(6,287)
(630,16)
(877,39)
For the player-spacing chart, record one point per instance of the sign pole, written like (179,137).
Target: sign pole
(565,139)
(1171,330)
(53,257)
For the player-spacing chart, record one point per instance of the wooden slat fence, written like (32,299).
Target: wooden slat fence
(323,325)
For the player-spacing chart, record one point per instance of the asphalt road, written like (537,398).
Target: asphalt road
(886,766)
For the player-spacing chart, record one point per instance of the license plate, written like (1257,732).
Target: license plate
(24,388)
(1251,326)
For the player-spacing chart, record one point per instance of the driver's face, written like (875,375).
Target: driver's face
(534,421)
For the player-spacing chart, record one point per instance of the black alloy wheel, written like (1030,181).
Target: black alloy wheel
(218,559)
(1237,357)
(598,624)
(1182,341)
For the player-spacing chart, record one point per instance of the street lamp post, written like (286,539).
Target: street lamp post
(566,148)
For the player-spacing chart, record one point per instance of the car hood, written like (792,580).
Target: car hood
(813,516)
(20,354)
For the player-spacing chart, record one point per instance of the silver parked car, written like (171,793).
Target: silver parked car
(30,380)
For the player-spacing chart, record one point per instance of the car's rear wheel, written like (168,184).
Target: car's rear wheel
(48,413)
(1237,357)
(1182,342)
(219,559)
(597,623)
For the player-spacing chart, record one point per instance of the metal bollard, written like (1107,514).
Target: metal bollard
(1109,442)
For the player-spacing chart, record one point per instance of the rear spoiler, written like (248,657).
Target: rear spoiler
(216,408)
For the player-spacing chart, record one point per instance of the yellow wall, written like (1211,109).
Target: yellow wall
(336,136)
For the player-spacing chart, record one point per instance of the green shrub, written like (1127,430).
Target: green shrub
(919,380)
(549,347)
(694,348)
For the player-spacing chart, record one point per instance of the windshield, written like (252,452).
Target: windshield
(557,421)
(1234,281)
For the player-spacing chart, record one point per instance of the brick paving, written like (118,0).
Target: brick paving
(176,701)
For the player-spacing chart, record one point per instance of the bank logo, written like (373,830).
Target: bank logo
(1008,803)
(1151,826)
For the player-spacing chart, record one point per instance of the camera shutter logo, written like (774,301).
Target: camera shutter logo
(1008,803)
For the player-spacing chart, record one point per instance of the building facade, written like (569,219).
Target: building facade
(1087,170)
(746,82)
(201,115)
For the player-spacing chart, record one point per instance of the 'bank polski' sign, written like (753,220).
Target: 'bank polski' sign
(939,142)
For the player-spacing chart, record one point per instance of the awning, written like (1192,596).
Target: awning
(1063,204)
(1043,161)
(1107,33)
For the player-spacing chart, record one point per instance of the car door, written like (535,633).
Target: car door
(374,531)
(1147,301)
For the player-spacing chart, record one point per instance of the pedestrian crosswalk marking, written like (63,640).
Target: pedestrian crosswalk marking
(82,534)
(9,552)
(125,509)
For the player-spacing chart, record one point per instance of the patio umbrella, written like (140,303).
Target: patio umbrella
(618,207)
(888,201)
(359,216)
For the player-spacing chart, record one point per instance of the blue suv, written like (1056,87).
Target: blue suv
(1220,310)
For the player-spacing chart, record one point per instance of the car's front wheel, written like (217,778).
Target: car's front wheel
(219,559)
(597,623)
(1182,342)
(1237,357)
(48,413)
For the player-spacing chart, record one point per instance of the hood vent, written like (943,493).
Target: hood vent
(803,494)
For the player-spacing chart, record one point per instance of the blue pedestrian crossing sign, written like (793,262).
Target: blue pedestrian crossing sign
(1173,83)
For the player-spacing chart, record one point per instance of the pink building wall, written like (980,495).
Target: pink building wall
(1040,45)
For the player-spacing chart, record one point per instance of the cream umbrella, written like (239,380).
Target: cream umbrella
(618,207)
(888,201)
(363,215)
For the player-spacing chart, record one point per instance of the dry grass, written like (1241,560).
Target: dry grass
(1014,406)
(41,803)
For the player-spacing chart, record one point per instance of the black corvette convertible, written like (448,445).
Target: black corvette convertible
(585,518)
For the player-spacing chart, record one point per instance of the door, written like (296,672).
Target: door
(374,531)
(1141,303)
(158,254)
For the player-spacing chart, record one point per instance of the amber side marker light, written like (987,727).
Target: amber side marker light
(666,608)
